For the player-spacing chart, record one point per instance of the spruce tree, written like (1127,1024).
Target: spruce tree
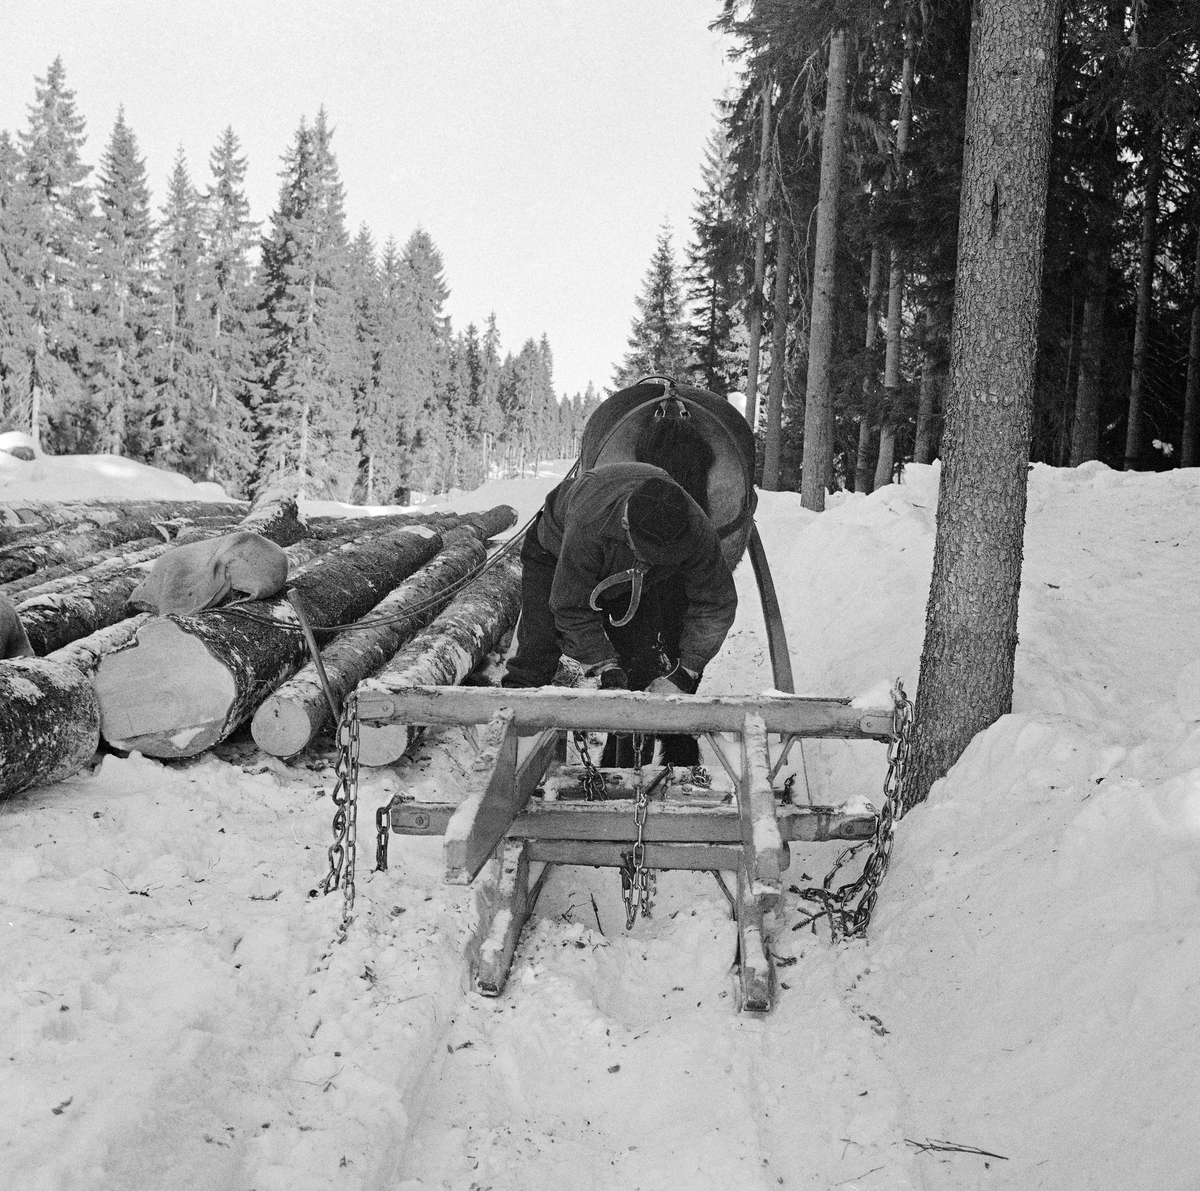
(60,232)
(18,297)
(658,343)
(119,319)
(307,413)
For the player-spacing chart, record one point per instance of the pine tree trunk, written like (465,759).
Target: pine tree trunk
(891,370)
(774,435)
(1145,294)
(927,409)
(297,711)
(1191,398)
(445,652)
(966,676)
(49,723)
(760,256)
(862,459)
(191,680)
(818,412)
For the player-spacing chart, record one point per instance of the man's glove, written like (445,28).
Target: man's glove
(679,680)
(613,678)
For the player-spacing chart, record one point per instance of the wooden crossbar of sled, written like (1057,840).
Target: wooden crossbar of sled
(687,827)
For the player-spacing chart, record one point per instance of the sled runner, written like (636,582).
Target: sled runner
(524,807)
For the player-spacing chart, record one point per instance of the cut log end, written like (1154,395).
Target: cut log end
(282,726)
(166,696)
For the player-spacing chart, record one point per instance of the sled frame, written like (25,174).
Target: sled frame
(500,821)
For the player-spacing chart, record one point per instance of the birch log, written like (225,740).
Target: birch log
(297,711)
(446,651)
(49,722)
(191,680)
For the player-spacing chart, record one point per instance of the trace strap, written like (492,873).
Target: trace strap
(633,576)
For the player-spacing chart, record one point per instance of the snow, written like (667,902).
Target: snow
(96,477)
(174,1012)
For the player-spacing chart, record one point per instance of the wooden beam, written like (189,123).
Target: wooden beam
(532,769)
(486,813)
(504,908)
(756,972)
(619,711)
(605,854)
(763,844)
(668,821)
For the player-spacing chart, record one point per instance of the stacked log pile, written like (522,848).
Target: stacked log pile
(173,686)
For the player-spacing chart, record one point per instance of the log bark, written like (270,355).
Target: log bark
(277,517)
(20,518)
(69,574)
(445,652)
(49,722)
(191,680)
(489,523)
(86,653)
(297,711)
(818,411)
(54,547)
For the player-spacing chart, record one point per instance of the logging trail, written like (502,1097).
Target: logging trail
(172,1012)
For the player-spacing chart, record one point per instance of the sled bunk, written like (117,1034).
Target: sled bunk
(524,807)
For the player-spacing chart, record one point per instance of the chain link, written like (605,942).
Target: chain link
(342,852)
(849,907)
(594,786)
(638,883)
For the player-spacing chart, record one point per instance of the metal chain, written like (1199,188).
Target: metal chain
(594,786)
(342,852)
(383,825)
(638,883)
(848,917)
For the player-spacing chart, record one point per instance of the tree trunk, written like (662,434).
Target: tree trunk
(445,652)
(862,460)
(1141,333)
(22,518)
(191,680)
(297,711)
(971,621)
(818,412)
(49,723)
(276,515)
(53,547)
(1085,426)
(891,369)
(760,256)
(770,480)
(1191,398)
(80,570)
(931,378)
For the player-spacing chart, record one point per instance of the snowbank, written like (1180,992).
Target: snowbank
(96,477)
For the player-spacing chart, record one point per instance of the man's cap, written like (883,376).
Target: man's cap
(659,520)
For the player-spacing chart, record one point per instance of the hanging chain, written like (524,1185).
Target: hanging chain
(849,918)
(345,815)
(594,786)
(638,883)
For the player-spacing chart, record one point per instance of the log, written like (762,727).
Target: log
(189,681)
(446,651)
(86,653)
(54,546)
(295,713)
(276,516)
(21,518)
(489,523)
(49,722)
(79,570)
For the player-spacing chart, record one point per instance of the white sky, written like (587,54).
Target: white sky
(540,142)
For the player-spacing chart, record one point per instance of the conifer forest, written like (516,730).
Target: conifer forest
(294,353)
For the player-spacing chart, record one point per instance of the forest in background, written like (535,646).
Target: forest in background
(297,357)
(1118,362)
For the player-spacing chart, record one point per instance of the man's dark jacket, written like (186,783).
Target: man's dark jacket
(582,525)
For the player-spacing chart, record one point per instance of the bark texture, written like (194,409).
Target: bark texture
(931,381)
(19,518)
(54,547)
(276,516)
(774,430)
(445,652)
(288,719)
(49,723)
(79,570)
(191,680)
(760,256)
(862,459)
(1145,296)
(971,620)
(818,411)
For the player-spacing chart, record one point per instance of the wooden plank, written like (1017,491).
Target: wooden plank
(486,813)
(665,822)
(761,839)
(756,972)
(532,769)
(619,711)
(500,930)
(605,854)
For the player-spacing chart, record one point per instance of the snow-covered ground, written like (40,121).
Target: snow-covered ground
(174,1014)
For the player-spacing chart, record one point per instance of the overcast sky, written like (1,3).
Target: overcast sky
(541,143)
